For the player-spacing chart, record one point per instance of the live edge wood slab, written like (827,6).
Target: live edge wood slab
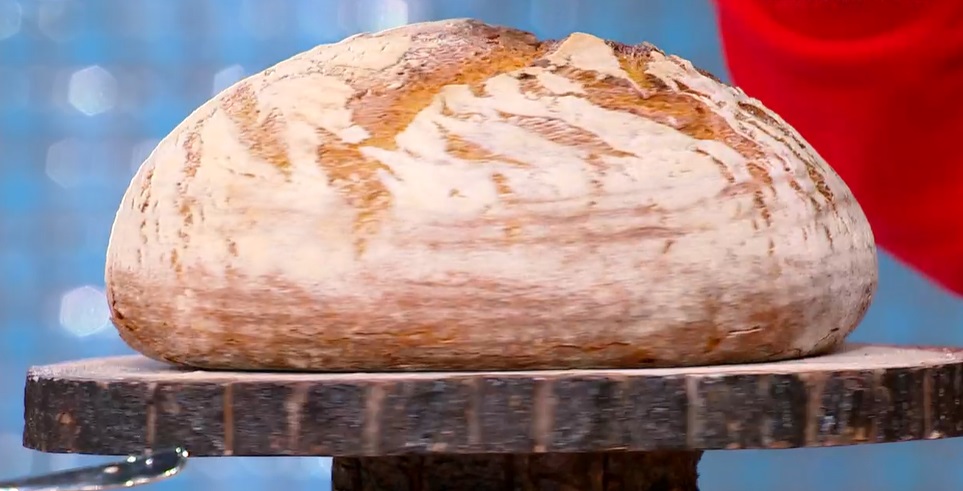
(547,430)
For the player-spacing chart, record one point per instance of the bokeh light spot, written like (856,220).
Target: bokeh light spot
(226,77)
(378,15)
(11,17)
(58,19)
(92,90)
(64,165)
(84,311)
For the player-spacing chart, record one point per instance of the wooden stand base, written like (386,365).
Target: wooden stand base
(549,430)
(609,471)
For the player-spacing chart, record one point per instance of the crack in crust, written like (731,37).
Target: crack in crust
(386,106)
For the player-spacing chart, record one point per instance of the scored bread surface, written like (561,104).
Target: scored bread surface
(454,195)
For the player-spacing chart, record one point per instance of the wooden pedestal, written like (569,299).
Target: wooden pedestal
(583,430)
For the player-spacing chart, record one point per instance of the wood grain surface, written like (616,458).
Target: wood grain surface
(858,395)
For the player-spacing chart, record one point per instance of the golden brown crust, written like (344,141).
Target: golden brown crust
(386,106)
(356,337)
(420,293)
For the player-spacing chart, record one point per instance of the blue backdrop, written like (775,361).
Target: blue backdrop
(87,87)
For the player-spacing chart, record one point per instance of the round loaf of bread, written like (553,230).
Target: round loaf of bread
(459,196)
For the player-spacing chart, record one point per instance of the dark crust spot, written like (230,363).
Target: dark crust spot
(641,50)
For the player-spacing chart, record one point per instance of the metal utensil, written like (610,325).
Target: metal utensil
(134,471)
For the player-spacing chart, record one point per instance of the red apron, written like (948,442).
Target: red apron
(876,86)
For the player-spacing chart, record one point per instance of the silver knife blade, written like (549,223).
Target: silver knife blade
(134,471)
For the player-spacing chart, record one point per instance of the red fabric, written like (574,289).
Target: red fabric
(876,86)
